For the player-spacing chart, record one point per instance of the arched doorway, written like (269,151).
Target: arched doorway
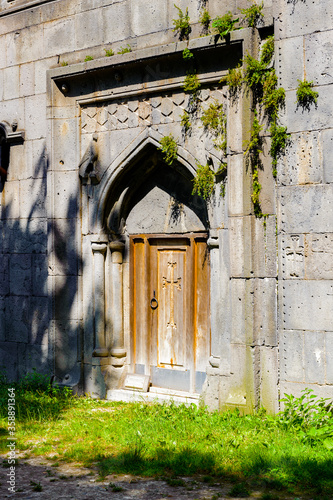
(165,230)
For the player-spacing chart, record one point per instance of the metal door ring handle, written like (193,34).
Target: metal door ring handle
(153,303)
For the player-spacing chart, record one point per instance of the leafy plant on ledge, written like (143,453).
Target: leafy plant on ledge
(187,54)
(124,50)
(88,58)
(169,148)
(223,25)
(182,24)
(192,84)
(109,52)
(185,121)
(305,94)
(253,14)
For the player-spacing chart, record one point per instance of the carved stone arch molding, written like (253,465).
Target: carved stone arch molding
(137,178)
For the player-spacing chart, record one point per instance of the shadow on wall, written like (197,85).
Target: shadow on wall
(29,320)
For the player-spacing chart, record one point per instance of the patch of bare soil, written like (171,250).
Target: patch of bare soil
(40,478)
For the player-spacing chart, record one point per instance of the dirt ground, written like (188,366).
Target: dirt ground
(39,478)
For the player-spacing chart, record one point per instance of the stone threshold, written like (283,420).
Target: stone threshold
(155,395)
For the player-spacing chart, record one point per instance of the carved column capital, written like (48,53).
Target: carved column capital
(117,250)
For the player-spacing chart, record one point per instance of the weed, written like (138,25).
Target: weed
(223,25)
(252,154)
(215,120)
(109,52)
(192,84)
(187,54)
(175,481)
(239,490)
(267,50)
(88,58)
(204,20)
(113,487)
(185,121)
(306,95)
(279,141)
(124,50)
(253,14)
(169,148)
(234,80)
(64,63)
(36,486)
(182,24)
(204,181)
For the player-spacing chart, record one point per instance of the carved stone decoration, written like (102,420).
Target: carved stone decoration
(293,256)
(87,165)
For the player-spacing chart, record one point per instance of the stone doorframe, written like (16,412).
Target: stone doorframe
(83,171)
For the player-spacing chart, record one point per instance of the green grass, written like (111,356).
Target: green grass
(172,441)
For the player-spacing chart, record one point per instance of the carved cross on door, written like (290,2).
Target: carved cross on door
(173,283)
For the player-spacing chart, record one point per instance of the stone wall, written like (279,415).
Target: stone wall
(271,299)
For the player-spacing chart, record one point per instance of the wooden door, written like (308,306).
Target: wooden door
(170,310)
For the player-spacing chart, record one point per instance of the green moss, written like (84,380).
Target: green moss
(169,148)
(305,94)
(253,14)
(182,24)
(223,25)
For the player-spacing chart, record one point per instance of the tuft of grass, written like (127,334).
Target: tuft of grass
(224,25)
(109,52)
(253,15)
(182,24)
(124,50)
(88,58)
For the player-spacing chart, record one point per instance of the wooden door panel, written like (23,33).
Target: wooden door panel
(171,336)
(172,341)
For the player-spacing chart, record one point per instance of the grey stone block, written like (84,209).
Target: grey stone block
(25,45)
(88,28)
(289,49)
(25,236)
(8,360)
(327,154)
(67,345)
(27,79)
(64,256)
(148,16)
(18,319)
(240,244)
(329,357)
(314,355)
(269,367)
(303,161)
(59,36)
(4,277)
(292,356)
(20,279)
(66,192)
(317,117)
(242,297)
(308,305)
(39,321)
(265,307)
(32,198)
(11,87)
(66,298)
(39,273)
(296,19)
(305,209)
(35,117)
(318,49)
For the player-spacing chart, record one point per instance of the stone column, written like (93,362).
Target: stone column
(118,350)
(99,250)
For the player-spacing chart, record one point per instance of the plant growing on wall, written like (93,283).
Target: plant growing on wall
(182,24)
(252,154)
(204,20)
(204,181)
(187,54)
(124,50)
(109,52)
(253,14)
(215,120)
(185,121)
(234,80)
(223,25)
(305,94)
(192,84)
(168,146)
